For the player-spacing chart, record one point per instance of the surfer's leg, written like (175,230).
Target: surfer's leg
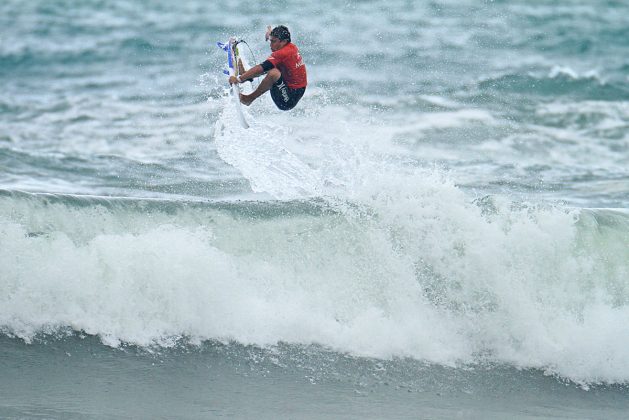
(271,77)
(241,68)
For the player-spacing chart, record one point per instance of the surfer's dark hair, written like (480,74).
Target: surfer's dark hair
(281,32)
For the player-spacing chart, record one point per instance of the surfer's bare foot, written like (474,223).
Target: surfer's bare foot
(245,99)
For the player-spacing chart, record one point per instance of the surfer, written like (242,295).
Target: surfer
(285,72)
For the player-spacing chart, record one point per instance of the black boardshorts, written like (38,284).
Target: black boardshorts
(284,97)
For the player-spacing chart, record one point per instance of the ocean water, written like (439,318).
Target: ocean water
(440,229)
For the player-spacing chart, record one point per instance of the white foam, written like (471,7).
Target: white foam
(411,269)
(557,71)
(450,285)
(440,101)
(262,157)
(407,267)
(600,115)
(563,71)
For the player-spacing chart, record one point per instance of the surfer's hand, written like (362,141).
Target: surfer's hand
(268,33)
(233,80)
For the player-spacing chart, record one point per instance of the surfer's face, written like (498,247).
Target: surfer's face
(276,43)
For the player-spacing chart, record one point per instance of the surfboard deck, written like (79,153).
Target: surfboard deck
(232,63)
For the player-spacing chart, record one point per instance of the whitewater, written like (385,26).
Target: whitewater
(447,241)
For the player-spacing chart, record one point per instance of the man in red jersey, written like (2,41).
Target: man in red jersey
(285,72)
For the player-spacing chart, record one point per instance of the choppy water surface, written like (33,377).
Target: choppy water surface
(440,228)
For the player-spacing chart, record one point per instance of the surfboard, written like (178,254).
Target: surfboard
(231,47)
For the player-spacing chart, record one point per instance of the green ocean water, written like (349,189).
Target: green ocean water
(438,230)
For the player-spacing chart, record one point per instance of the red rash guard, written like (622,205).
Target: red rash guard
(288,61)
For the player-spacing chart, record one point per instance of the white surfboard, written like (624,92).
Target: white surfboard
(232,59)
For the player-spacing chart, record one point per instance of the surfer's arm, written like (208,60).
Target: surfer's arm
(254,71)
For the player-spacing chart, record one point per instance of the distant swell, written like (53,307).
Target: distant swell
(586,87)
